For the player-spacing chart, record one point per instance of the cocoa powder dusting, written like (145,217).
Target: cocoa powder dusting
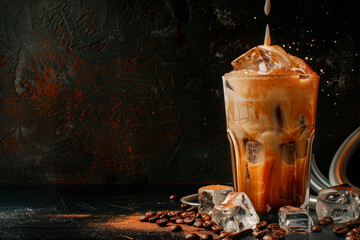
(132,223)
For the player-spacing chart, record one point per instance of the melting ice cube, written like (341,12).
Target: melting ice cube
(340,202)
(288,152)
(295,219)
(235,213)
(211,195)
(254,152)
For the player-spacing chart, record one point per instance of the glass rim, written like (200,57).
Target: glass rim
(260,76)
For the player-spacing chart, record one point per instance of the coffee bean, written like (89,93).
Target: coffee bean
(179,212)
(259,234)
(176,228)
(188,214)
(280,236)
(207,225)
(173,219)
(206,236)
(189,221)
(353,223)
(153,219)
(160,212)
(241,233)
(191,209)
(357,221)
(210,222)
(192,213)
(323,222)
(351,237)
(216,228)
(223,234)
(316,228)
(162,222)
(179,221)
(164,215)
(142,218)
(326,221)
(349,224)
(171,214)
(355,231)
(198,215)
(227,238)
(185,214)
(277,231)
(261,225)
(192,236)
(273,226)
(206,217)
(173,197)
(340,231)
(270,237)
(149,214)
(198,223)
(185,206)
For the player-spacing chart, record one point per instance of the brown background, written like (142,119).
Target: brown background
(130,91)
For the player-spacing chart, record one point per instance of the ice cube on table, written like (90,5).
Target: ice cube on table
(295,219)
(235,213)
(211,195)
(341,202)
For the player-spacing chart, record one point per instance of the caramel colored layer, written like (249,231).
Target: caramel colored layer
(270,121)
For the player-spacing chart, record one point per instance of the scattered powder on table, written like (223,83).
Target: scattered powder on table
(68,215)
(132,223)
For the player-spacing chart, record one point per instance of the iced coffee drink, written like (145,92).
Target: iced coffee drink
(270,101)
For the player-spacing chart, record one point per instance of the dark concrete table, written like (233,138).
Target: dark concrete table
(95,212)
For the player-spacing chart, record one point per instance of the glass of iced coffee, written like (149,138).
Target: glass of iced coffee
(270,102)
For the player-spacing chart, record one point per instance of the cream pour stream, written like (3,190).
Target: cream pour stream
(267,40)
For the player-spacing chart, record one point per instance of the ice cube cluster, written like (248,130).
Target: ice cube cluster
(341,202)
(235,213)
(272,60)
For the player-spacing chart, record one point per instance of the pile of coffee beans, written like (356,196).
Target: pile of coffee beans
(351,230)
(270,231)
(189,215)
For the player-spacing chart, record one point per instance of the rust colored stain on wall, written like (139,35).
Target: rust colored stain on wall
(130,91)
(89,95)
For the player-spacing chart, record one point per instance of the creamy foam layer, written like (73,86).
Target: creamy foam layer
(269,60)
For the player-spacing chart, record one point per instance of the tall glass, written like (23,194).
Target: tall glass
(270,126)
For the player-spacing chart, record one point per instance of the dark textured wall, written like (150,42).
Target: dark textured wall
(130,91)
